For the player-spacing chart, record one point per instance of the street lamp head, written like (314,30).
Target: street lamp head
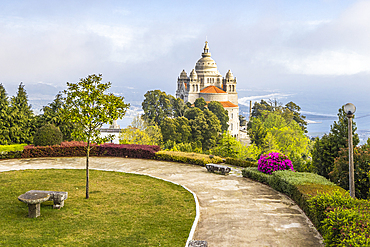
(349,109)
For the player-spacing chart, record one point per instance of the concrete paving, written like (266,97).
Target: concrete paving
(234,211)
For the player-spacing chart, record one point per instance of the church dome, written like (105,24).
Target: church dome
(229,75)
(206,64)
(193,74)
(183,75)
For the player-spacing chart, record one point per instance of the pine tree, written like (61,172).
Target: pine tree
(327,148)
(52,115)
(4,117)
(22,125)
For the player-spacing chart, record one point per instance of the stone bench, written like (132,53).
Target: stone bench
(34,198)
(57,197)
(218,168)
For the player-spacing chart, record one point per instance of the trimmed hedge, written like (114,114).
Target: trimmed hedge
(10,154)
(241,163)
(65,149)
(74,148)
(191,158)
(128,150)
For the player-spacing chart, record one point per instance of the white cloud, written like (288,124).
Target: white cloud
(327,63)
(245,100)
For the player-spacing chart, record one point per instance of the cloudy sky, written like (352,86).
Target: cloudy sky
(316,53)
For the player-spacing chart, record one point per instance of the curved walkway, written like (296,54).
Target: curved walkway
(234,211)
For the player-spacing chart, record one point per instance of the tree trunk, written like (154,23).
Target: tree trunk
(87,169)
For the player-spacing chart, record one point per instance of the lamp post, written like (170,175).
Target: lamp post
(350,109)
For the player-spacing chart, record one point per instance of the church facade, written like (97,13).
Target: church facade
(206,81)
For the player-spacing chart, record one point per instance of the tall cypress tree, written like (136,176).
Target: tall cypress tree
(4,117)
(22,125)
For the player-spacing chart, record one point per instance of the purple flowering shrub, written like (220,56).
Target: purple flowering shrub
(271,162)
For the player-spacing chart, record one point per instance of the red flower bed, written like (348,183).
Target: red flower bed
(74,148)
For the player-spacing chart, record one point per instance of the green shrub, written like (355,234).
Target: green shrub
(323,201)
(48,135)
(10,154)
(241,163)
(253,173)
(191,158)
(13,147)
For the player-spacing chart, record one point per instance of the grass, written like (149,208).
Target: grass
(123,210)
(15,147)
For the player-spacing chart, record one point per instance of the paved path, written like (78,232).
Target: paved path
(234,211)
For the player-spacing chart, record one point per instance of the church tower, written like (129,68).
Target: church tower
(206,81)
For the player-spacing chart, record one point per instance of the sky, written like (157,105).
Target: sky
(315,53)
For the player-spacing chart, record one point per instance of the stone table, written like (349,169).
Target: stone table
(34,199)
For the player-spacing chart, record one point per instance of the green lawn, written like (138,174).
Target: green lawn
(15,147)
(123,210)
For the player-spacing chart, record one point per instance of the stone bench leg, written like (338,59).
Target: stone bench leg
(58,201)
(33,210)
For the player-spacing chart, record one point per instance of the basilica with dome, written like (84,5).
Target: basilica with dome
(205,81)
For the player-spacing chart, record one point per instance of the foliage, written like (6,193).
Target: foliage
(200,103)
(126,210)
(228,146)
(205,127)
(290,111)
(21,127)
(4,117)
(242,120)
(342,220)
(89,106)
(48,135)
(52,115)
(176,129)
(179,107)
(327,148)
(195,147)
(241,163)
(190,158)
(14,147)
(65,149)
(142,133)
(271,131)
(10,154)
(361,160)
(157,106)
(211,130)
(271,162)
(221,114)
(74,148)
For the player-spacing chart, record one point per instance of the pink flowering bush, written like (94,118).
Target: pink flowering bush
(271,162)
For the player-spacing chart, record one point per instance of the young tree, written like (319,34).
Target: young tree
(22,125)
(4,117)
(89,106)
(157,106)
(221,114)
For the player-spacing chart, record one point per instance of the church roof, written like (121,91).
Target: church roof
(212,89)
(225,104)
